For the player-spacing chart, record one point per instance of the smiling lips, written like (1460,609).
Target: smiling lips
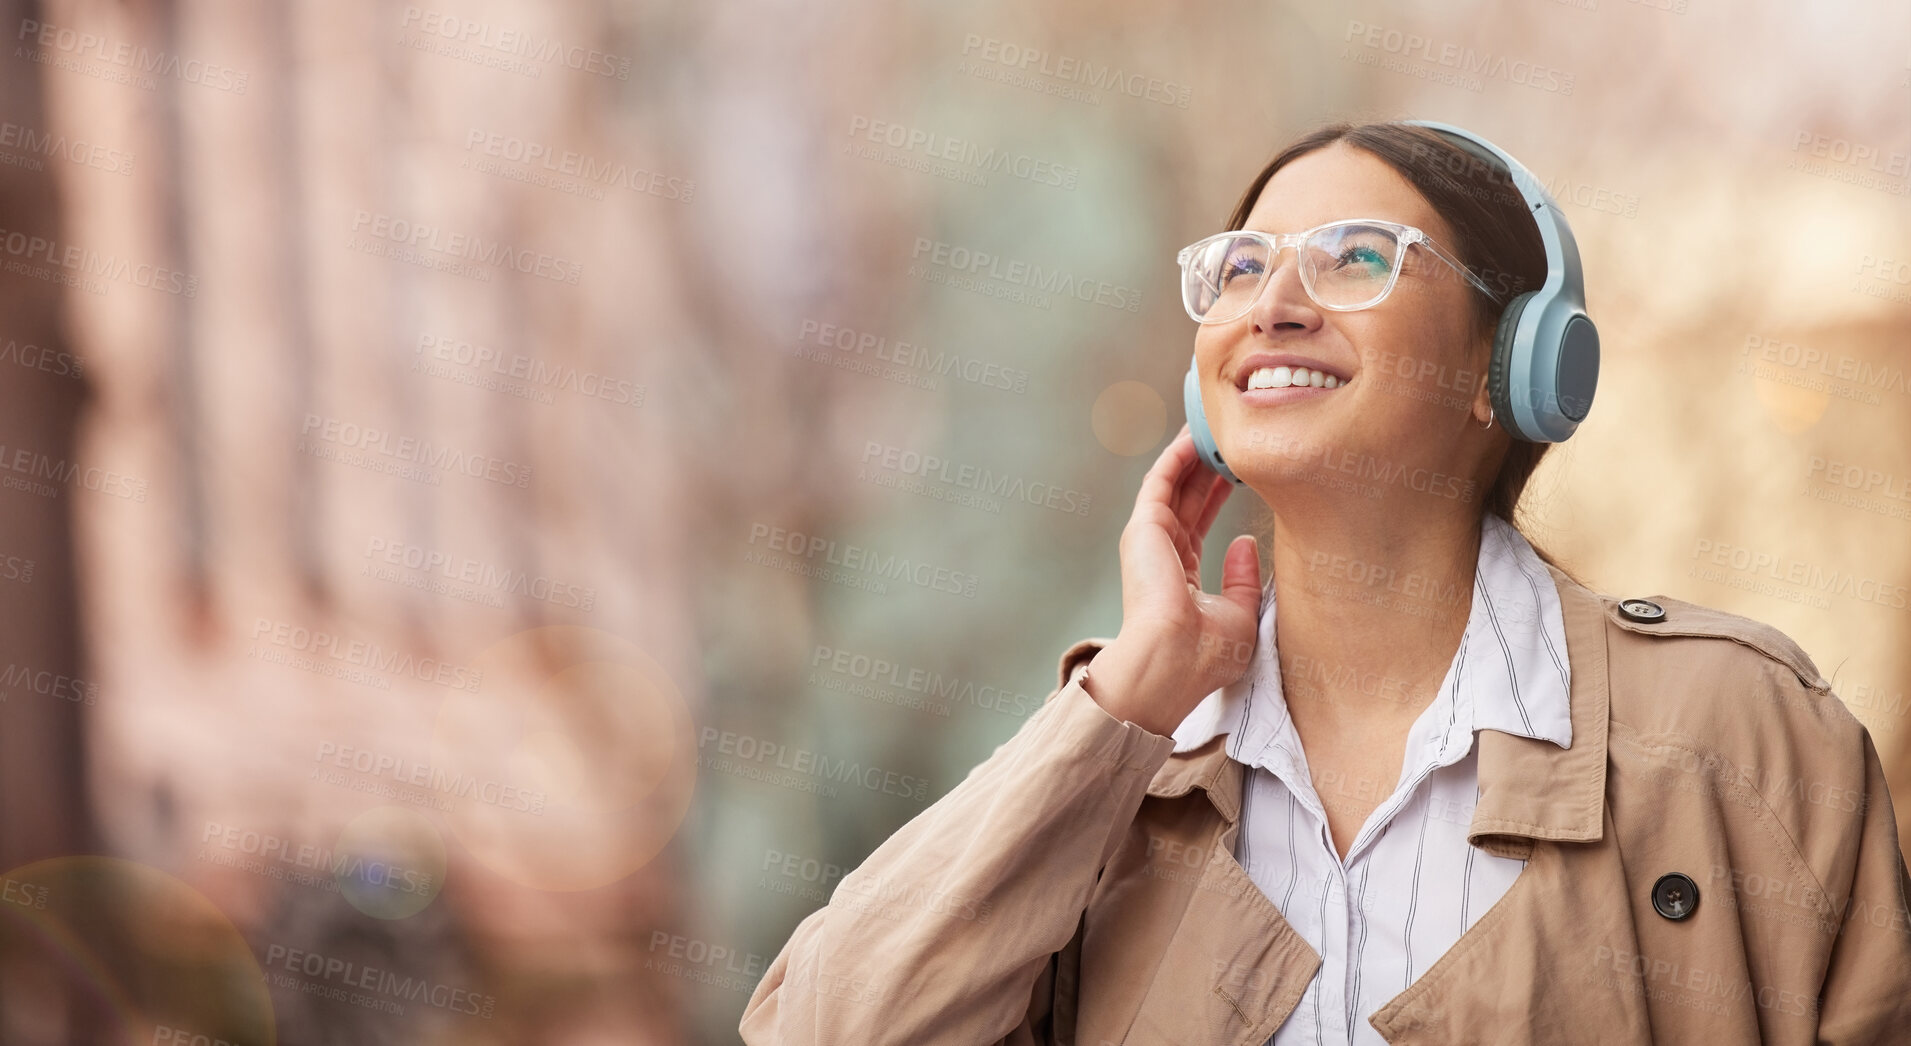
(1284,377)
(1266,378)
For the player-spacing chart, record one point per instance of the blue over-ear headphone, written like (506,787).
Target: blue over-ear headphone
(1545,361)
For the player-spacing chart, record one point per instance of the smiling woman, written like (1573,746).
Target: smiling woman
(1449,793)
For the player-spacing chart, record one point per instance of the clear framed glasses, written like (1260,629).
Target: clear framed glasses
(1345,266)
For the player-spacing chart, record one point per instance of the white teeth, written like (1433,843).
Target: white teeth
(1284,377)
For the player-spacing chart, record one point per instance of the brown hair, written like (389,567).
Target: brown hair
(1492,233)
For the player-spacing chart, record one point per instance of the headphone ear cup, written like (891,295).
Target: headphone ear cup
(1198,425)
(1499,367)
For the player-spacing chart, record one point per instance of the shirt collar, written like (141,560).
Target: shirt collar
(1510,672)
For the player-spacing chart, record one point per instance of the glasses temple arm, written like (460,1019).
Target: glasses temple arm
(1458,266)
(1184,257)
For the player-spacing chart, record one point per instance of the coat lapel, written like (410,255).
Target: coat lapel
(1523,972)
(1225,967)
(1532,789)
(1511,977)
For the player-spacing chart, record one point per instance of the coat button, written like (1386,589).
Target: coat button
(1641,610)
(1675,895)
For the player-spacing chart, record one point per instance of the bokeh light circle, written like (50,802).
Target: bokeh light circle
(575,762)
(150,957)
(389,862)
(1129,418)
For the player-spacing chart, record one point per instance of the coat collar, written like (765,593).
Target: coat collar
(1530,789)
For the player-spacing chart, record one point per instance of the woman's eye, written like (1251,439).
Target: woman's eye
(1238,266)
(1364,257)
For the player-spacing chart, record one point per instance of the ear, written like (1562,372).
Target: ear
(1482,405)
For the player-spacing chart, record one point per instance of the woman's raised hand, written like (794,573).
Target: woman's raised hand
(1177,644)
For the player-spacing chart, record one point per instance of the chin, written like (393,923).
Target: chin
(1269,440)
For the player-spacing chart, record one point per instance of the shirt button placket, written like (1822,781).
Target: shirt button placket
(1348,905)
(1334,938)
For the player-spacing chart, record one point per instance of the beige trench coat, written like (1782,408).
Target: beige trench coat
(1079,885)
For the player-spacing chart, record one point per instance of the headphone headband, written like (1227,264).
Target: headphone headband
(1562,251)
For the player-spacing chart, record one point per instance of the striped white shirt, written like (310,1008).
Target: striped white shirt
(1411,884)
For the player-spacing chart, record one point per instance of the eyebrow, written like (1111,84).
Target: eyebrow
(1330,221)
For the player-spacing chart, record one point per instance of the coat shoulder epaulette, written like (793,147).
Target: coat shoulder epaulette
(1665,616)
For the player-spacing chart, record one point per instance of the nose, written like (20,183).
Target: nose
(1284,301)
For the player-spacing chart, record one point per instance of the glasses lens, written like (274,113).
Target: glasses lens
(1223,277)
(1351,265)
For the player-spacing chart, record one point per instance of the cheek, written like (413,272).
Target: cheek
(1375,340)
(1415,376)
(1210,346)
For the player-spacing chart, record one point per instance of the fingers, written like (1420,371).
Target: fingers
(1217,496)
(1156,562)
(1196,487)
(1192,493)
(1167,477)
(1198,501)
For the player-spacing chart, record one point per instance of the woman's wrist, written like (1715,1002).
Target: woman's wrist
(1122,687)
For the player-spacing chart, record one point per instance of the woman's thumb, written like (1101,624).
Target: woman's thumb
(1241,573)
